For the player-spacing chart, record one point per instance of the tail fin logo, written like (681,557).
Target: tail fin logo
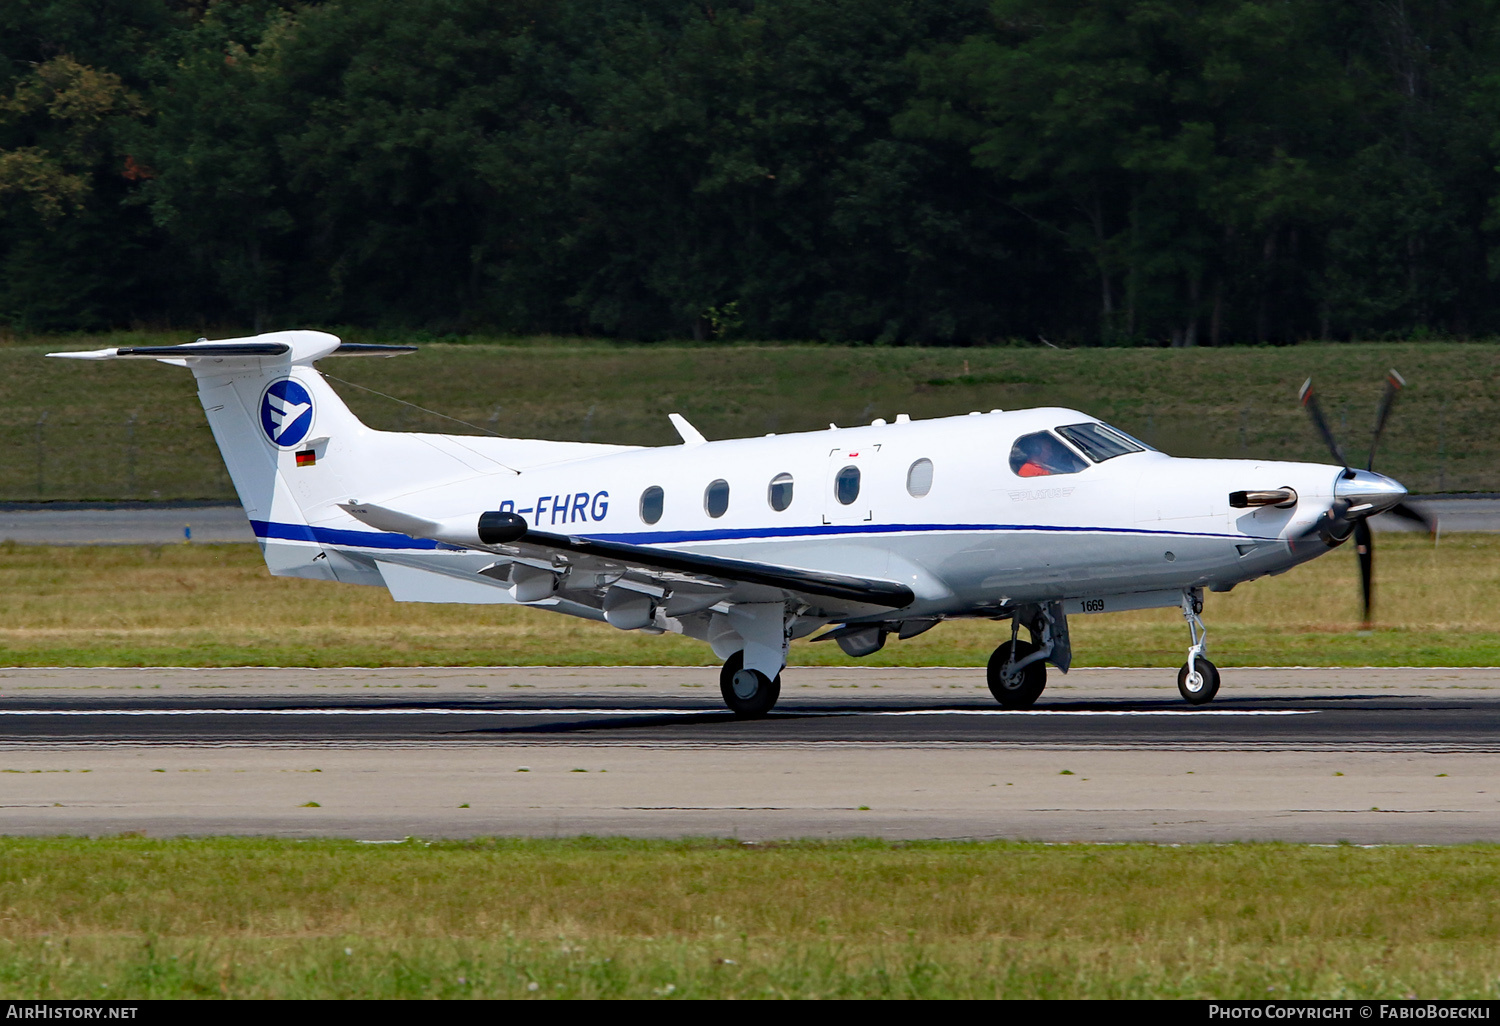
(286,413)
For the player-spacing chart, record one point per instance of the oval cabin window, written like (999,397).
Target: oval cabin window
(919,478)
(846,485)
(779,495)
(716,498)
(651,503)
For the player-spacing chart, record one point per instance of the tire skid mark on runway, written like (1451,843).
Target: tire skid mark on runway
(447,711)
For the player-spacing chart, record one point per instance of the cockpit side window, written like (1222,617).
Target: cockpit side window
(1100,442)
(1043,455)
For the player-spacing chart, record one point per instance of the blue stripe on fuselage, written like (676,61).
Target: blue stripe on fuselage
(334,536)
(387,540)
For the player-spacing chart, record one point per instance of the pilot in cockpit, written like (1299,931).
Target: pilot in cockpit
(1042,455)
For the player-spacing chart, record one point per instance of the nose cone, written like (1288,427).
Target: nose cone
(1368,492)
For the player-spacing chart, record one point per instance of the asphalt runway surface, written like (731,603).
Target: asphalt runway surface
(1311,755)
(147,524)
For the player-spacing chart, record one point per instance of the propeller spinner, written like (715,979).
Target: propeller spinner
(1360,494)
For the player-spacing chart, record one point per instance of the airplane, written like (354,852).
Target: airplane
(867,533)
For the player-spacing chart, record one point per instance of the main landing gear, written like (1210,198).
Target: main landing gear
(747,692)
(1198,680)
(1017,672)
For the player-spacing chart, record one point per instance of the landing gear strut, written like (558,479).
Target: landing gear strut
(1198,680)
(747,692)
(1017,672)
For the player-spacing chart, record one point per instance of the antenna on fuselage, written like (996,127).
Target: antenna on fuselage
(689,434)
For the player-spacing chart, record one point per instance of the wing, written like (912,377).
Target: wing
(584,569)
(742,580)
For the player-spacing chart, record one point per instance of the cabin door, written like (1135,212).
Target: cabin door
(848,487)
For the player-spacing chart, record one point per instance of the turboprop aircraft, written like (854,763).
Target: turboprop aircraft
(879,531)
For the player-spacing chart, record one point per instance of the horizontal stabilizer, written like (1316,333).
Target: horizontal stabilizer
(261,348)
(192,350)
(370,349)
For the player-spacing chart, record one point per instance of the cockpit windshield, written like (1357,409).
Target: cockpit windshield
(1042,455)
(1100,442)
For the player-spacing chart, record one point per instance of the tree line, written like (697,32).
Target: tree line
(1188,172)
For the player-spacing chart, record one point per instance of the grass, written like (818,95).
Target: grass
(215,605)
(137,918)
(1206,402)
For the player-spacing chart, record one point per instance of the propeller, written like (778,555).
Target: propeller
(1347,517)
(1309,400)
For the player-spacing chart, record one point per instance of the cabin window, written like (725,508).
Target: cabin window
(1043,454)
(919,478)
(651,503)
(716,498)
(1100,442)
(846,485)
(779,495)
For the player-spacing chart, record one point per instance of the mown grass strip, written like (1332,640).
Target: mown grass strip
(132,917)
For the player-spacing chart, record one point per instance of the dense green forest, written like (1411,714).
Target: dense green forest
(924,171)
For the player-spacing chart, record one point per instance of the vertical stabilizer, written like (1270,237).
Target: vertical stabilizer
(277,421)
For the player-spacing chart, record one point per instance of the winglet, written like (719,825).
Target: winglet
(690,435)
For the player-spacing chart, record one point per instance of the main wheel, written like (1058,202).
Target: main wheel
(1016,690)
(1198,688)
(747,692)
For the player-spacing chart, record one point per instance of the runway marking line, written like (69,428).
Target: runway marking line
(438,711)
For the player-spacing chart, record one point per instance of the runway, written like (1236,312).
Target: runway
(1364,755)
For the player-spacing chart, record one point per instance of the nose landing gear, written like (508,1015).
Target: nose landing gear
(1198,680)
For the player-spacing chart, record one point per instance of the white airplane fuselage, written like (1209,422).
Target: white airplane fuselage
(979,539)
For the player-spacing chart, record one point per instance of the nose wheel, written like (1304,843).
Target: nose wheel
(1198,681)
(747,692)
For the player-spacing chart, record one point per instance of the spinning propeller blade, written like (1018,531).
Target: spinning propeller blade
(1315,411)
(1394,383)
(1364,547)
(1335,525)
(1413,515)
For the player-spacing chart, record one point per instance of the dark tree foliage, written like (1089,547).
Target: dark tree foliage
(1119,171)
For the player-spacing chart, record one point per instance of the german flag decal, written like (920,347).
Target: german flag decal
(306,458)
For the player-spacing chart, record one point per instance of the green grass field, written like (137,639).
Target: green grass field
(1238,401)
(137,918)
(216,605)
